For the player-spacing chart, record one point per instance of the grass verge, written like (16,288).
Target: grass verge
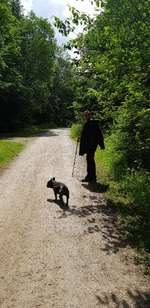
(8,150)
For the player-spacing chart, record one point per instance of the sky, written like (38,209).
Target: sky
(50,8)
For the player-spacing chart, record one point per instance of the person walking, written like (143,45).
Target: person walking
(91,137)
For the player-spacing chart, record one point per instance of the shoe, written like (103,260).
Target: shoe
(86,179)
(89,180)
(92,181)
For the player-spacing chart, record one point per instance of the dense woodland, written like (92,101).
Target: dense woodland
(110,76)
(35,78)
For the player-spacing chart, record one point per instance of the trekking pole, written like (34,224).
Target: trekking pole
(75,157)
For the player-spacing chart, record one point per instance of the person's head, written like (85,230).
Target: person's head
(88,115)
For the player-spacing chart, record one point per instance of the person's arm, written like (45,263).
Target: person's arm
(101,139)
(82,141)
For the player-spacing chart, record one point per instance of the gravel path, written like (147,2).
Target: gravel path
(53,257)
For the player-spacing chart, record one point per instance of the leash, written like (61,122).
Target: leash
(75,157)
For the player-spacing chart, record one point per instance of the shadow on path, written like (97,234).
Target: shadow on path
(96,187)
(100,216)
(63,206)
(11,136)
(139,300)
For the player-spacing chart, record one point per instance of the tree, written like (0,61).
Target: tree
(63,88)
(10,76)
(17,9)
(38,56)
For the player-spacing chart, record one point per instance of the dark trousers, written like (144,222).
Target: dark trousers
(91,167)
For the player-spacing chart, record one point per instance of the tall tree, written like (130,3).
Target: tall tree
(10,76)
(17,8)
(38,56)
(62,90)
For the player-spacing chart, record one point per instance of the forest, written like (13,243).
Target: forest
(40,84)
(35,78)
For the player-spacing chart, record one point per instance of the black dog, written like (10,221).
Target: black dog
(60,189)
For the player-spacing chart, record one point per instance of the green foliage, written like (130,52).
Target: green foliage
(62,92)
(38,56)
(132,128)
(9,47)
(9,150)
(112,159)
(75,130)
(36,82)
(16,8)
(38,48)
(137,185)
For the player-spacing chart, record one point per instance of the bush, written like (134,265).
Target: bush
(137,185)
(132,133)
(112,159)
(133,186)
(75,130)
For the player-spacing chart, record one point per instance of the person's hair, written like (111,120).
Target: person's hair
(88,112)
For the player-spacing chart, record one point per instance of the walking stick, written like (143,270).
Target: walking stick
(75,157)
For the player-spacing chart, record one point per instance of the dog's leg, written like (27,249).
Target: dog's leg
(55,195)
(61,198)
(61,194)
(67,198)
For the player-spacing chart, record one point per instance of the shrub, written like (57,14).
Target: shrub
(75,130)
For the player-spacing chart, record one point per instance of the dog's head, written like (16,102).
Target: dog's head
(50,183)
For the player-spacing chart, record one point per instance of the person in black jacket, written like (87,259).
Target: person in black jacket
(91,137)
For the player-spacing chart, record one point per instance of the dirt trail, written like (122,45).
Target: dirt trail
(52,257)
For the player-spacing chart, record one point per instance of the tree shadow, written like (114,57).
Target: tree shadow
(114,234)
(101,216)
(96,187)
(63,206)
(49,133)
(136,298)
(28,134)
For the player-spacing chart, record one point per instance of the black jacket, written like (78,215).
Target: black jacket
(91,137)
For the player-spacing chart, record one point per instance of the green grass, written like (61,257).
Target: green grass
(8,150)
